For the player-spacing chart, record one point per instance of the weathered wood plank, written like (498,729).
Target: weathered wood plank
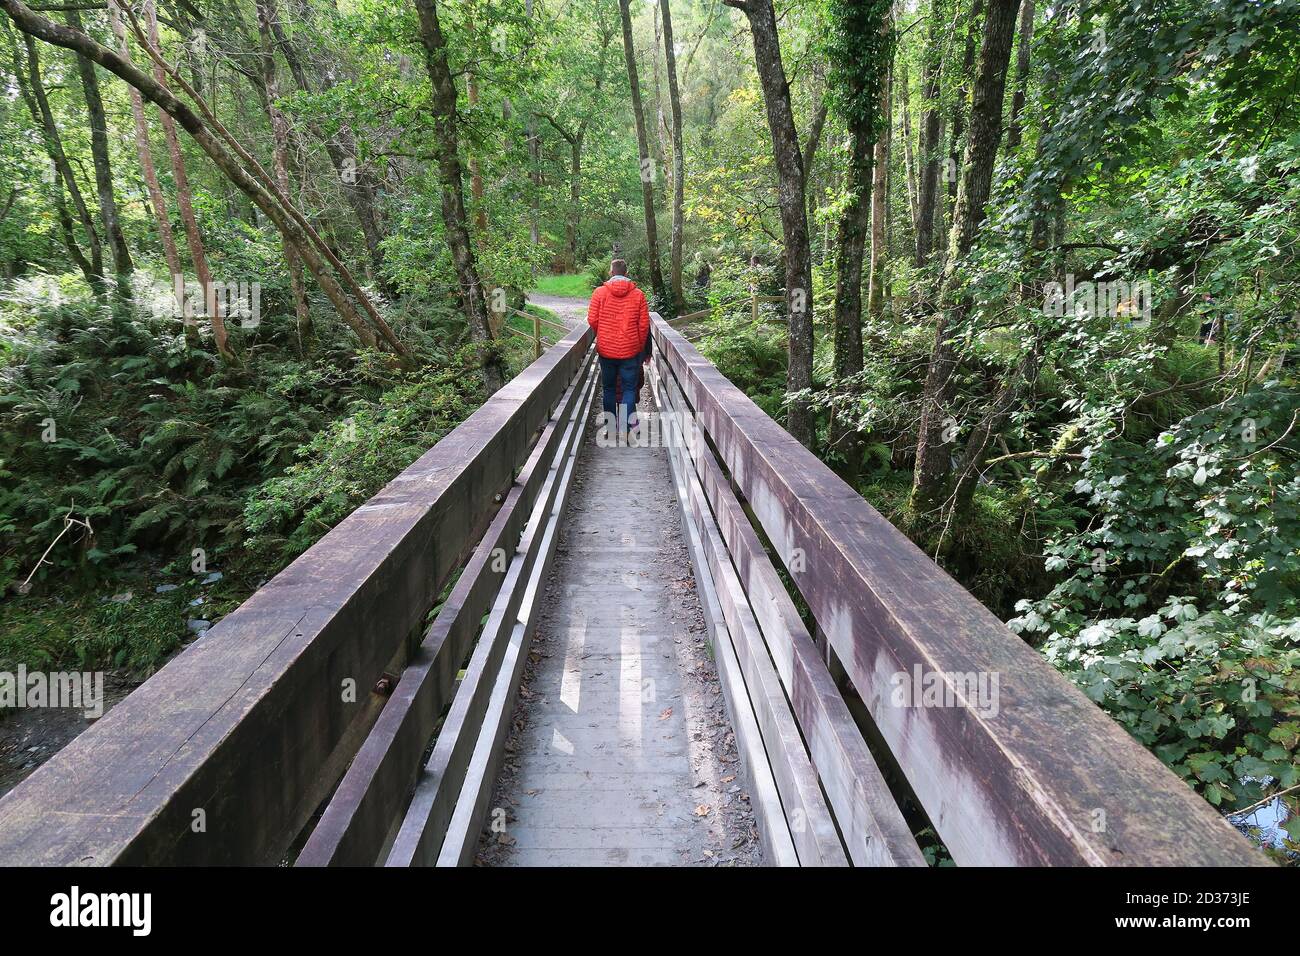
(869,819)
(236,730)
(1038,775)
(462,832)
(362,811)
(424,825)
(778,842)
(811,825)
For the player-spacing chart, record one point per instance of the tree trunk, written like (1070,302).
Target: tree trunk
(928,187)
(643,149)
(144,150)
(989,88)
(880,202)
(851,240)
(121,255)
(679,163)
(794,213)
(909,158)
(447,150)
(575,201)
(812,143)
(534,171)
(962,101)
(660,141)
(1022,75)
(280,155)
(185,203)
(41,112)
(475,173)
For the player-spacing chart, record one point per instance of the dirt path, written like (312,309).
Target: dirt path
(572,312)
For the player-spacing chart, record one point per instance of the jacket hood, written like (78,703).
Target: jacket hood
(620,286)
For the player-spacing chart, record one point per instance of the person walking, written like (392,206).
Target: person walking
(621,317)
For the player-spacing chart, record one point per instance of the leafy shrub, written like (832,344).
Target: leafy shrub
(1178,610)
(353,457)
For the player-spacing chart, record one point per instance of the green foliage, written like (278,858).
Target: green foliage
(576,286)
(352,458)
(116,422)
(859,40)
(1178,604)
(65,629)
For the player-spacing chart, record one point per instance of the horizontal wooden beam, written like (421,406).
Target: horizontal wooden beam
(223,755)
(869,820)
(487,733)
(811,825)
(424,827)
(1029,772)
(765,798)
(369,799)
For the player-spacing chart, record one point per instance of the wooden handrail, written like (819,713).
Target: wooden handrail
(225,753)
(1036,775)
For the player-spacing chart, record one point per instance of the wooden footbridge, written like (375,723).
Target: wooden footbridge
(497,650)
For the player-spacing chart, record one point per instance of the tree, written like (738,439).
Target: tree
(580,100)
(266,17)
(1022,74)
(31,85)
(447,150)
(144,152)
(860,49)
(880,200)
(928,181)
(679,162)
(988,91)
(121,255)
(794,212)
(643,150)
(185,203)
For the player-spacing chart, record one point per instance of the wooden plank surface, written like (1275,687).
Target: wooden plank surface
(1039,775)
(422,830)
(219,758)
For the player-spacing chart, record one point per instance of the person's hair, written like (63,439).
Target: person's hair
(618,267)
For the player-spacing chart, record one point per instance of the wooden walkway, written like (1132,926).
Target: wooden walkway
(530,648)
(624,754)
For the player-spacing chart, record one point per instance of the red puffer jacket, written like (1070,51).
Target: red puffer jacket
(621,317)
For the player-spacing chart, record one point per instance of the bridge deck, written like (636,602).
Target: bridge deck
(622,752)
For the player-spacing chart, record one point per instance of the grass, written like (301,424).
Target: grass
(67,628)
(576,286)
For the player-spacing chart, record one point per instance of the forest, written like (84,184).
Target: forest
(1023,273)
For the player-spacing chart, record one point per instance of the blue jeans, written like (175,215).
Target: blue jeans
(610,371)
